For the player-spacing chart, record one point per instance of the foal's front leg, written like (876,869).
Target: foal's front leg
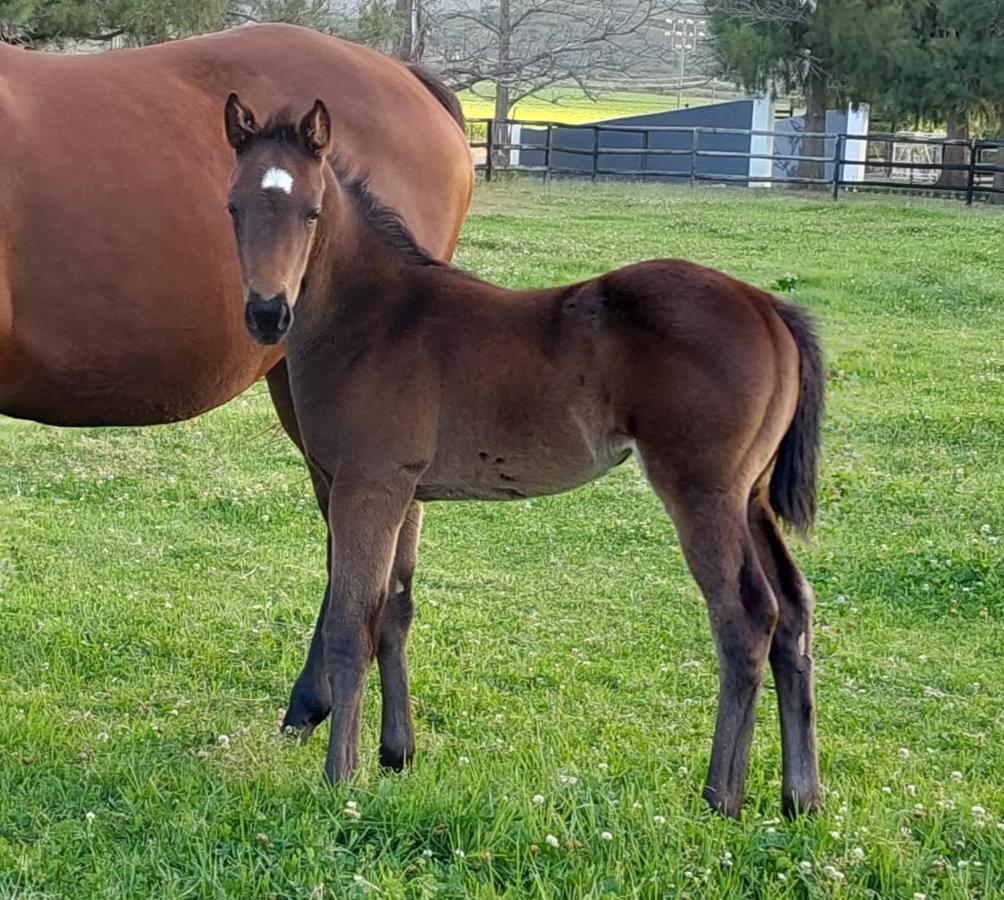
(397,736)
(365,516)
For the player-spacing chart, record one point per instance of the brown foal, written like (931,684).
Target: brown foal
(414,381)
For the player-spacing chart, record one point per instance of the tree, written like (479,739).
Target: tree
(783,45)
(944,63)
(39,23)
(413,26)
(521,47)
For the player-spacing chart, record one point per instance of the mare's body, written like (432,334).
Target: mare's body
(120,295)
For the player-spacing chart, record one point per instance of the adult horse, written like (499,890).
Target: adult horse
(120,295)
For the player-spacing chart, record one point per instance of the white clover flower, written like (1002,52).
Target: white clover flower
(551,840)
(89,816)
(956,776)
(567,779)
(537,800)
(103,737)
(904,753)
(978,811)
(782,877)
(886,789)
(606,836)
(911,789)
(223,740)
(833,872)
(459,854)
(917,895)
(835,835)
(659,820)
(603,767)
(805,866)
(858,853)
(463,760)
(427,853)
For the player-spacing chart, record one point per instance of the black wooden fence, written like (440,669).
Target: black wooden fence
(968,170)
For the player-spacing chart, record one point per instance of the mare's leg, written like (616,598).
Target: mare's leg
(791,662)
(310,700)
(397,736)
(722,557)
(370,514)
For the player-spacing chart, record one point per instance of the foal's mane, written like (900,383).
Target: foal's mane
(282,128)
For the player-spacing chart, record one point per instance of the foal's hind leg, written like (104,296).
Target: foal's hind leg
(397,736)
(720,552)
(791,662)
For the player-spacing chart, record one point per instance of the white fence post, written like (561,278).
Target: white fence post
(515,137)
(762,144)
(856,150)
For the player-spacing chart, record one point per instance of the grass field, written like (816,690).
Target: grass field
(571,106)
(159,587)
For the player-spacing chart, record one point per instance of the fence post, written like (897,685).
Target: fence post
(489,149)
(645,146)
(694,141)
(971,182)
(596,152)
(838,156)
(547,152)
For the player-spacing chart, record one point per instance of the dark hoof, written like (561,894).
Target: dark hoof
(395,759)
(305,712)
(723,804)
(794,805)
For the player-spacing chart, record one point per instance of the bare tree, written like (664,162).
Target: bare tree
(412,16)
(521,47)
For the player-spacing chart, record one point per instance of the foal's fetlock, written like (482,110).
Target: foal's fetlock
(309,705)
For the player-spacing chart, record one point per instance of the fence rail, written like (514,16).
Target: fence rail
(967,169)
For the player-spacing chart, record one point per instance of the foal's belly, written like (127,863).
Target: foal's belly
(503,469)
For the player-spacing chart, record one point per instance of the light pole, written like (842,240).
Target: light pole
(684,34)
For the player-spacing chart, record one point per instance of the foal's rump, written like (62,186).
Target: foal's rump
(723,377)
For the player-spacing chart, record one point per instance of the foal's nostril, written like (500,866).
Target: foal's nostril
(268,320)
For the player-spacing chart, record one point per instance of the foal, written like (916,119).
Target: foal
(415,381)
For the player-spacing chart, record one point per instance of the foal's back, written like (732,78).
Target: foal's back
(540,391)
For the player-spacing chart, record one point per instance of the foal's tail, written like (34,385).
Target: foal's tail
(793,482)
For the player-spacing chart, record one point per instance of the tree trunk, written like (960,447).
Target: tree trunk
(816,90)
(999,158)
(500,157)
(958,129)
(411,45)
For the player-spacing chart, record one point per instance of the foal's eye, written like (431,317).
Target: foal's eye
(232,210)
(314,215)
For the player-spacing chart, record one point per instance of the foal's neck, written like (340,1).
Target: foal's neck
(357,265)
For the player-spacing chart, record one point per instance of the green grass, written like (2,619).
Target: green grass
(159,587)
(571,106)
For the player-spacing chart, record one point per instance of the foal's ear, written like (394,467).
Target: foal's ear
(240,122)
(315,130)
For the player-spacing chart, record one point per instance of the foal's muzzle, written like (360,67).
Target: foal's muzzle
(268,320)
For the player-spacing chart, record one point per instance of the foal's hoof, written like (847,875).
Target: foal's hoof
(794,804)
(730,807)
(305,712)
(395,758)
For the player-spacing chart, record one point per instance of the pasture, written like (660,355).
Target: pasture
(159,587)
(571,106)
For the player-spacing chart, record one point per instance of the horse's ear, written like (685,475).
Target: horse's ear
(315,130)
(240,122)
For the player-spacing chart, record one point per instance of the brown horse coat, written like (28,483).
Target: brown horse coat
(120,297)
(413,381)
